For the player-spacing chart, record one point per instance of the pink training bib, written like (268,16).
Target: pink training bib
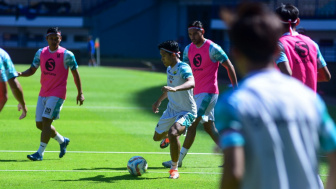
(302,57)
(54,74)
(204,69)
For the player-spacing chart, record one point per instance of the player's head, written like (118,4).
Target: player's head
(254,35)
(196,32)
(289,15)
(169,51)
(53,37)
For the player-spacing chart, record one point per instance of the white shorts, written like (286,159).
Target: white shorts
(48,107)
(206,103)
(169,117)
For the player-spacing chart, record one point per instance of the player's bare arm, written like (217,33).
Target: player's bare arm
(233,168)
(231,72)
(331,180)
(18,94)
(30,71)
(323,74)
(3,94)
(285,68)
(80,96)
(189,84)
(156,105)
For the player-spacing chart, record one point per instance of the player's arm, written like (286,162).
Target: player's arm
(156,104)
(231,72)
(80,95)
(189,84)
(331,180)
(285,68)
(18,94)
(30,71)
(323,74)
(3,94)
(233,167)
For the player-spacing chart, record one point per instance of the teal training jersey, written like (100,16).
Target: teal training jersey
(281,124)
(7,69)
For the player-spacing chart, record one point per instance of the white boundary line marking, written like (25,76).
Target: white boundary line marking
(87,171)
(93,107)
(97,152)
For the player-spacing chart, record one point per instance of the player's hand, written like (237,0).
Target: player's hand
(168,89)
(155,107)
(80,98)
(24,111)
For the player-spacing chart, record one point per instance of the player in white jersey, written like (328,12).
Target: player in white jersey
(272,126)
(9,74)
(181,108)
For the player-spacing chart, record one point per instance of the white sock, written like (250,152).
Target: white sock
(59,138)
(42,148)
(183,153)
(174,165)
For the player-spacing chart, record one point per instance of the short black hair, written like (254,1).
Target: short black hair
(196,23)
(255,32)
(287,12)
(53,30)
(169,45)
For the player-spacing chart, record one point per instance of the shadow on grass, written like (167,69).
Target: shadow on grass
(103,178)
(114,168)
(13,160)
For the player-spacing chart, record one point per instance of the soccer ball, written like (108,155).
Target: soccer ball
(137,166)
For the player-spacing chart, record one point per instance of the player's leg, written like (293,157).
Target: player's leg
(211,129)
(174,133)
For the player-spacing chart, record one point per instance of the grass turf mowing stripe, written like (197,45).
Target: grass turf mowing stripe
(85,171)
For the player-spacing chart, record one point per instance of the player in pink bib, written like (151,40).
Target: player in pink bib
(204,57)
(55,62)
(300,56)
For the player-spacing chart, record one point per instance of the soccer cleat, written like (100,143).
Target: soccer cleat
(63,147)
(164,143)
(35,157)
(167,164)
(174,174)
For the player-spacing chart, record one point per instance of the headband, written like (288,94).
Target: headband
(289,22)
(177,53)
(57,33)
(196,28)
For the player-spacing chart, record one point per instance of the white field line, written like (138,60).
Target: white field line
(92,107)
(97,152)
(90,171)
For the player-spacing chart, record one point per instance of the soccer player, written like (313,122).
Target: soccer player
(181,108)
(272,126)
(300,56)
(91,51)
(204,57)
(9,74)
(55,62)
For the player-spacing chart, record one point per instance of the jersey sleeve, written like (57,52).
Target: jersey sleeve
(8,70)
(70,60)
(282,56)
(327,129)
(217,54)
(228,124)
(320,60)
(185,55)
(185,71)
(36,62)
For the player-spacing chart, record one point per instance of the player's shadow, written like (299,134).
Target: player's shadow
(103,168)
(103,178)
(13,160)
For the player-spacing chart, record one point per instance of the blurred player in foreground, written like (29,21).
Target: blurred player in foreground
(181,108)
(204,57)
(272,126)
(9,74)
(300,56)
(55,62)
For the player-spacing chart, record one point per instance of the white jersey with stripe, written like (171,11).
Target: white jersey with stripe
(180,101)
(281,124)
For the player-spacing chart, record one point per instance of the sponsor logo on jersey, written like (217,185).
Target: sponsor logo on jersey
(197,61)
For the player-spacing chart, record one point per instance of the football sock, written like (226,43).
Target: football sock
(183,153)
(42,148)
(59,138)
(174,165)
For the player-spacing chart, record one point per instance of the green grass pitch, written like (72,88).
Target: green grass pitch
(114,124)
